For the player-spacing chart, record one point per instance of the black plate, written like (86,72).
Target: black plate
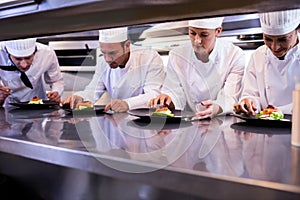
(46,104)
(98,109)
(254,121)
(145,115)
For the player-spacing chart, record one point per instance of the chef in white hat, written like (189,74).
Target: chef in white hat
(25,67)
(130,75)
(275,66)
(203,76)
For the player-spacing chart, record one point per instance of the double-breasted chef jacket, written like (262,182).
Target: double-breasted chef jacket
(137,83)
(189,81)
(271,81)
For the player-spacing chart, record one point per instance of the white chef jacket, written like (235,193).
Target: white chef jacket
(271,81)
(44,69)
(137,83)
(190,81)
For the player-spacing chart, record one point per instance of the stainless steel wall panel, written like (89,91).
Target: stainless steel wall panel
(54,17)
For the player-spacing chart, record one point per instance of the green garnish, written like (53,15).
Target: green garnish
(276,115)
(85,108)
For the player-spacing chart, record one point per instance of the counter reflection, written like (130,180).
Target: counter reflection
(221,146)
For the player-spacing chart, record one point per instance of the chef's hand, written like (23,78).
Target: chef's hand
(161,99)
(117,105)
(53,96)
(73,101)
(207,109)
(4,93)
(247,106)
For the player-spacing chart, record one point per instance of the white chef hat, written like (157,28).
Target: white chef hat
(208,23)
(21,48)
(279,23)
(113,35)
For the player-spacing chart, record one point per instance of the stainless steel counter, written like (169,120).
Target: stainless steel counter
(61,156)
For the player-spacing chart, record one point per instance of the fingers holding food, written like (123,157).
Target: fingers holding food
(247,106)
(4,93)
(117,105)
(162,99)
(73,101)
(53,96)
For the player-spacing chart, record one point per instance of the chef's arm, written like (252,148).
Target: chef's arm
(53,75)
(95,89)
(173,86)
(152,85)
(232,88)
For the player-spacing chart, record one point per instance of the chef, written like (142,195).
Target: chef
(130,75)
(25,67)
(274,67)
(205,75)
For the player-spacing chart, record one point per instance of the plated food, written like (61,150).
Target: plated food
(268,117)
(36,100)
(36,103)
(163,110)
(85,105)
(146,115)
(85,108)
(270,113)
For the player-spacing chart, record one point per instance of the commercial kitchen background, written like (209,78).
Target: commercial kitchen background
(78,52)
